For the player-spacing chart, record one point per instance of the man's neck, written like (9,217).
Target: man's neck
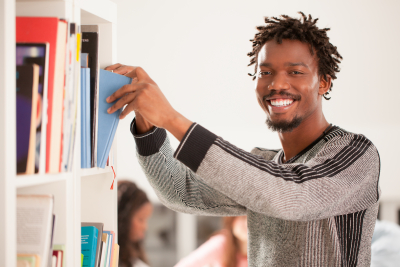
(307,132)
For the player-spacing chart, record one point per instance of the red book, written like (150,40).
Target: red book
(57,258)
(53,31)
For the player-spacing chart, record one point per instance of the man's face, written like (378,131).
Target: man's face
(287,85)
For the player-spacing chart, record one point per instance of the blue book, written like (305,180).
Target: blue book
(110,247)
(107,123)
(85,119)
(88,245)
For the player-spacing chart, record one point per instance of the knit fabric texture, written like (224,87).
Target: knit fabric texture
(317,209)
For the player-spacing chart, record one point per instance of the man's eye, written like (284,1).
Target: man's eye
(263,73)
(296,72)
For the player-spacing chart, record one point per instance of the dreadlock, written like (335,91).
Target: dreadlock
(305,31)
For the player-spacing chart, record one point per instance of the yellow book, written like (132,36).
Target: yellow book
(115,256)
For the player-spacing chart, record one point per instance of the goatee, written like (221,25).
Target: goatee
(283,126)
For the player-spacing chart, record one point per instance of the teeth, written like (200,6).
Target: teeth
(281,102)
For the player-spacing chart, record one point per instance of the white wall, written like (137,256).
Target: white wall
(196,52)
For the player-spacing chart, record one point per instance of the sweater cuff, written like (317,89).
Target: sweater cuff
(150,142)
(194,146)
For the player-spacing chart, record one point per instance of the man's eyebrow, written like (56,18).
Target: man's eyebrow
(294,64)
(290,64)
(264,64)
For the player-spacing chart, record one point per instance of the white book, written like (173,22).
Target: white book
(43,131)
(103,250)
(34,225)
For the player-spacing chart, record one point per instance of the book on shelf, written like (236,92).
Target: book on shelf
(90,45)
(99,227)
(34,226)
(30,260)
(104,253)
(23,263)
(26,109)
(115,258)
(71,94)
(85,119)
(60,249)
(37,53)
(49,260)
(89,236)
(108,123)
(53,31)
(104,244)
(57,259)
(110,248)
(54,45)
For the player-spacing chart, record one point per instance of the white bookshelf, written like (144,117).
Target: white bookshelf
(80,195)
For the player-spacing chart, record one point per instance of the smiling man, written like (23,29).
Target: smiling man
(312,203)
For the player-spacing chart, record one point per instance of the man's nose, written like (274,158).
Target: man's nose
(279,82)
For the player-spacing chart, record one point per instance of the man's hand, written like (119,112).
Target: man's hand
(145,98)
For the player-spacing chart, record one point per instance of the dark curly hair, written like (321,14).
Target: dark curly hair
(130,200)
(304,30)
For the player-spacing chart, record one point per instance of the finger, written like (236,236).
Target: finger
(142,75)
(124,69)
(127,88)
(113,67)
(126,99)
(134,80)
(128,109)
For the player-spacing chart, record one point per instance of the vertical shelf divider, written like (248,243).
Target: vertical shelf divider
(7,135)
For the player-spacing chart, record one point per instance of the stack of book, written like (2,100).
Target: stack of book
(35,231)
(51,76)
(98,127)
(98,246)
(47,57)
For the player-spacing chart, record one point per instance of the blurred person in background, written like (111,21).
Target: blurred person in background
(226,248)
(134,210)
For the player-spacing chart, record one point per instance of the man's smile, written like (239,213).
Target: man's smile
(279,105)
(280,102)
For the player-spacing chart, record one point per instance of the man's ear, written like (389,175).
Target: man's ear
(324,84)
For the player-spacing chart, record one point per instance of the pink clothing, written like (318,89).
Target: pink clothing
(210,254)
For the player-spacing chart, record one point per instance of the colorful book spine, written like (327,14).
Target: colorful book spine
(89,236)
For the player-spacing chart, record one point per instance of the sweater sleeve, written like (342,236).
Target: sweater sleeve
(341,178)
(176,185)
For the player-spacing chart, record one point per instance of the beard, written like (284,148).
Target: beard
(283,126)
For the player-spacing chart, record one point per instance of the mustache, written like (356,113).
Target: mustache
(281,93)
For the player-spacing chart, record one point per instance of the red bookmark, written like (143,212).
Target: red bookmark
(112,185)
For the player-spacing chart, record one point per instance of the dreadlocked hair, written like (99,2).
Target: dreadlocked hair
(305,31)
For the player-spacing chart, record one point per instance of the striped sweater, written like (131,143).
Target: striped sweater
(317,209)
